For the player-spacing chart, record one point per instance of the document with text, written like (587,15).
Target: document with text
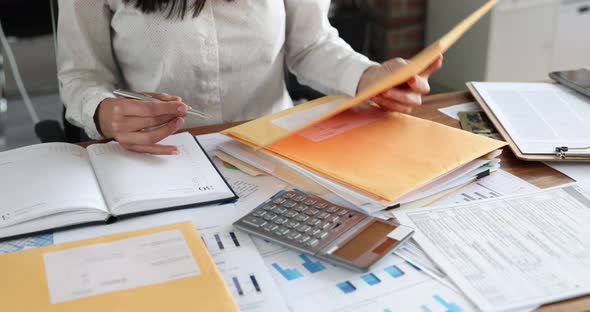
(511,252)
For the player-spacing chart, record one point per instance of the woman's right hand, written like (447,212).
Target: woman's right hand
(139,125)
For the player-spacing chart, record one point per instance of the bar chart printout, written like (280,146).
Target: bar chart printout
(346,287)
(371,279)
(394,271)
(288,274)
(449,307)
(312,267)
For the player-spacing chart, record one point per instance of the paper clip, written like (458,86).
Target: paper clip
(564,152)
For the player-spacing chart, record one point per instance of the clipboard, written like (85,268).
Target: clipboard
(562,153)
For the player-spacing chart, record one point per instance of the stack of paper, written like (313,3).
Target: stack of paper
(370,158)
(511,252)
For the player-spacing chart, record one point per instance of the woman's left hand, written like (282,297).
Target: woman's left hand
(404,98)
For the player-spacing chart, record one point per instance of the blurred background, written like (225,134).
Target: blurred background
(522,40)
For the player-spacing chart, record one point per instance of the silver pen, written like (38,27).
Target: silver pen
(145,97)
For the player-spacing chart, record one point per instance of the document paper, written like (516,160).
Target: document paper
(511,252)
(133,262)
(539,116)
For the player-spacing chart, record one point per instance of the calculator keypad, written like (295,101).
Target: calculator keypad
(300,220)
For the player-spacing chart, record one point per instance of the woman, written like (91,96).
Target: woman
(223,57)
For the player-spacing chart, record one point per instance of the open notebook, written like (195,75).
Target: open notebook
(53,185)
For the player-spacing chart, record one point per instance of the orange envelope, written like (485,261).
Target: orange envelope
(384,154)
(25,286)
(267,134)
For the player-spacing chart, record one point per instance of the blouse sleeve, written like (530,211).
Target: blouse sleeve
(87,70)
(316,54)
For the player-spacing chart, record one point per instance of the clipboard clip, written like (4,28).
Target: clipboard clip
(564,152)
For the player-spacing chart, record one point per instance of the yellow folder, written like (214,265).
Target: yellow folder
(384,154)
(388,155)
(25,287)
(266,133)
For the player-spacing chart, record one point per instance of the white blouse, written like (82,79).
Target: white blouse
(228,61)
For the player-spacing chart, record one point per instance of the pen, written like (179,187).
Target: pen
(145,97)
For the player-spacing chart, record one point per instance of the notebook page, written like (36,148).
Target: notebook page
(46,179)
(539,116)
(134,182)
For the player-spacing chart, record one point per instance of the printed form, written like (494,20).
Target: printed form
(128,263)
(511,252)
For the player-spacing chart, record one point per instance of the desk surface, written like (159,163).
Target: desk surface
(534,172)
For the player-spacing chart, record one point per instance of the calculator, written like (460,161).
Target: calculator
(324,230)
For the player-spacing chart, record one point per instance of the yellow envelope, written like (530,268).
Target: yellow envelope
(265,133)
(25,288)
(384,154)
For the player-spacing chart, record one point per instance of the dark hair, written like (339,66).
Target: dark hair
(172,8)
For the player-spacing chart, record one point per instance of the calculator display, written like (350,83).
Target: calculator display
(370,239)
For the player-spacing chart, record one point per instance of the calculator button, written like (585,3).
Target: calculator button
(259,213)
(315,232)
(253,221)
(298,198)
(321,206)
(293,235)
(311,212)
(270,227)
(301,218)
(323,215)
(322,235)
(324,225)
(313,222)
(279,200)
(282,231)
(343,212)
(293,224)
(279,210)
(310,202)
(300,208)
(289,204)
(291,214)
(304,239)
(313,242)
(334,218)
(269,207)
(280,220)
(332,209)
(269,216)
(303,228)
(288,195)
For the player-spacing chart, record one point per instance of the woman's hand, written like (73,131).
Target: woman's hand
(139,125)
(404,98)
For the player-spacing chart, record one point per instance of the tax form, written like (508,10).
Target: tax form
(511,252)
(128,263)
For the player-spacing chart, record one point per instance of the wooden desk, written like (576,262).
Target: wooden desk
(534,172)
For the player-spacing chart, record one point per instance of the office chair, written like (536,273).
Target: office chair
(52,130)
